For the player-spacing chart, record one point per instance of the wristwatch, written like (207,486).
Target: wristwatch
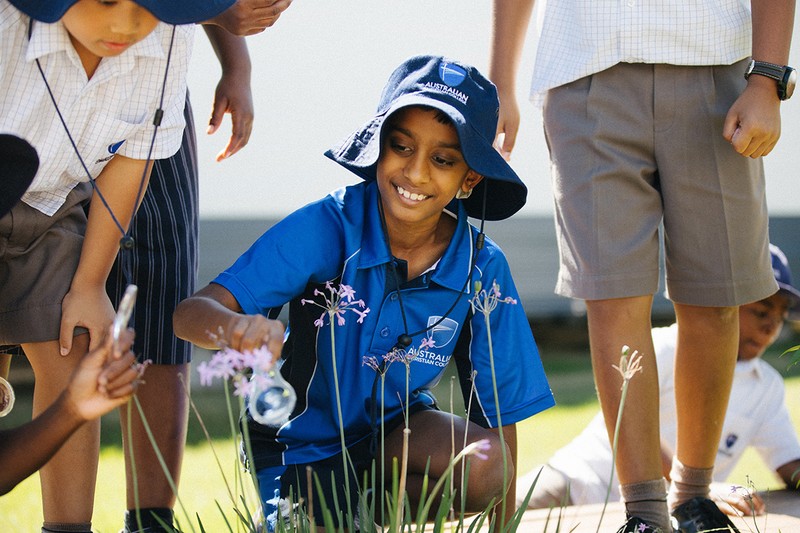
(785,76)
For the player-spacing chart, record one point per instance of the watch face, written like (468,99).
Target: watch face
(790,80)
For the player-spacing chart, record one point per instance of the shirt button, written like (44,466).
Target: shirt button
(385,332)
(631,3)
(393,297)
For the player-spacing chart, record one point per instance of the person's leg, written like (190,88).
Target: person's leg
(163,389)
(164,266)
(544,487)
(68,479)
(434,439)
(613,324)
(704,364)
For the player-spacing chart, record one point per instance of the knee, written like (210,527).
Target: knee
(487,482)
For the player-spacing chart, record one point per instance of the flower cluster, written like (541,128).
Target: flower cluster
(338,300)
(486,301)
(232,364)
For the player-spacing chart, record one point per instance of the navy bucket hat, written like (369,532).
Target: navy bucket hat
(18,165)
(169,11)
(783,275)
(470,100)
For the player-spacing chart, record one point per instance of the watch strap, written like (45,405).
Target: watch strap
(763,68)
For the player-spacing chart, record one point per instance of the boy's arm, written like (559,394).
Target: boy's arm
(509,26)
(790,474)
(510,437)
(233,94)
(753,124)
(213,314)
(87,304)
(96,387)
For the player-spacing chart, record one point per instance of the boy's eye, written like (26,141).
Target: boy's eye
(399,147)
(443,161)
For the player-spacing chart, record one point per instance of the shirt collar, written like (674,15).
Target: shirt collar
(451,269)
(752,366)
(53,38)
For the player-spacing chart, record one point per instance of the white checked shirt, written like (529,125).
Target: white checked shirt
(581,37)
(117,104)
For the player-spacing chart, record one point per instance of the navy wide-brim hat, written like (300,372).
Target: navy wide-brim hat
(470,100)
(783,275)
(18,165)
(169,11)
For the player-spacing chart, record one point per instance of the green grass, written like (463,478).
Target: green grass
(202,485)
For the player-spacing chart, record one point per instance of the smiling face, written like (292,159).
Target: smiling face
(760,324)
(100,28)
(421,167)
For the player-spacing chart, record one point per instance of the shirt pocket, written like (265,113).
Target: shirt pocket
(104,139)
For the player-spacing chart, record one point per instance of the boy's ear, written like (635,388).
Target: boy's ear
(472,179)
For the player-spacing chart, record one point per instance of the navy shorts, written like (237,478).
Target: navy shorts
(163,263)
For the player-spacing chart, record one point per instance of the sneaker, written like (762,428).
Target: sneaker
(637,525)
(700,514)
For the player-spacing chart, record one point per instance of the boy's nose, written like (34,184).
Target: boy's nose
(415,170)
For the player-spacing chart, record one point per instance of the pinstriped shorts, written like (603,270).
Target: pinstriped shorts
(163,263)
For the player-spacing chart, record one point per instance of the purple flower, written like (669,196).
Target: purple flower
(228,363)
(486,301)
(427,342)
(336,301)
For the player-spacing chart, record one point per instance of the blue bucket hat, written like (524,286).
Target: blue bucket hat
(169,11)
(18,165)
(783,275)
(470,100)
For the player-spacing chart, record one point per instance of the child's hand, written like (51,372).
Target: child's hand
(249,332)
(101,383)
(753,123)
(233,95)
(87,307)
(248,17)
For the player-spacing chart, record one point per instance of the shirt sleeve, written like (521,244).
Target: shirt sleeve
(304,247)
(776,438)
(512,368)
(170,129)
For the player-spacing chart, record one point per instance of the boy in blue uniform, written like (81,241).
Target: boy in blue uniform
(402,243)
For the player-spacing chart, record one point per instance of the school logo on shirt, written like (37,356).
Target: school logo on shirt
(112,150)
(442,333)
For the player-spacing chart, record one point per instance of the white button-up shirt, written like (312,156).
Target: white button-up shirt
(111,113)
(581,37)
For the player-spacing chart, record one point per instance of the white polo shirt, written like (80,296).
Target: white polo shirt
(756,416)
(110,114)
(581,37)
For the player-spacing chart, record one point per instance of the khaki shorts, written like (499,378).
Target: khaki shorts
(637,145)
(38,258)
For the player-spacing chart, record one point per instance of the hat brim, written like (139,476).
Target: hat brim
(18,165)
(794,300)
(505,191)
(171,12)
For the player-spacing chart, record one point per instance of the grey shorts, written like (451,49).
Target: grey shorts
(38,258)
(638,145)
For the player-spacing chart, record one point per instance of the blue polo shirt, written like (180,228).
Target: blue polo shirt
(340,239)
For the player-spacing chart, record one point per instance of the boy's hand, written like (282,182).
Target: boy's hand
(101,383)
(233,95)
(249,332)
(507,125)
(753,123)
(87,307)
(248,17)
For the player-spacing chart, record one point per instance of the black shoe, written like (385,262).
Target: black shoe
(637,525)
(700,514)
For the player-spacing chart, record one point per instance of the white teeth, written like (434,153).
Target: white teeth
(411,195)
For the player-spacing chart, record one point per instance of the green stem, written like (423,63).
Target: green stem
(331,317)
(614,450)
(499,418)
